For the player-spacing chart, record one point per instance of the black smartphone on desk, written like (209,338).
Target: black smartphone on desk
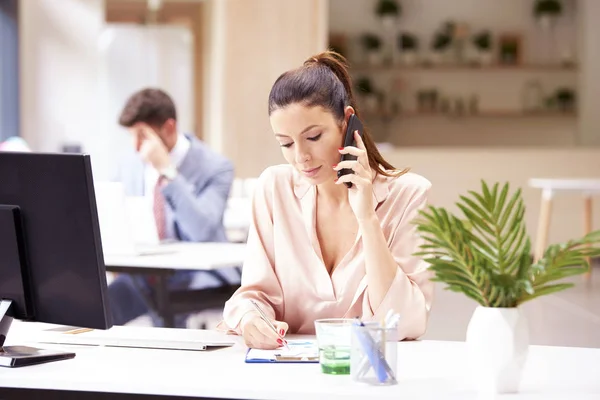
(354,124)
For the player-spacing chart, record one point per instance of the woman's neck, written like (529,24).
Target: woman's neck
(333,193)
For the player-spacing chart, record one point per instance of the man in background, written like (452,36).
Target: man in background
(188,185)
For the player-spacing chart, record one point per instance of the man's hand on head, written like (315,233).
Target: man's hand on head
(151,148)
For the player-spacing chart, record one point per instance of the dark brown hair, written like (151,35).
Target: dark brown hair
(323,80)
(151,106)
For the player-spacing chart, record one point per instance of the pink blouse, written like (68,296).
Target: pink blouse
(284,271)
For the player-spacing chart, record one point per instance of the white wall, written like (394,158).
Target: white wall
(59,61)
(589,80)
(76,73)
(135,57)
(454,171)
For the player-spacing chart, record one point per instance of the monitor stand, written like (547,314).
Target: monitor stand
(21,356)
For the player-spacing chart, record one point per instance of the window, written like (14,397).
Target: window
(9,69)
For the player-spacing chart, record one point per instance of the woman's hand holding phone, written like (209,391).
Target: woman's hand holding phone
(361,201)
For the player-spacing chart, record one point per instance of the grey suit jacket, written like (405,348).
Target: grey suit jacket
(197,196)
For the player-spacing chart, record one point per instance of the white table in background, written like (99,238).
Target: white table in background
(586,187)
(180,256)
(427,370)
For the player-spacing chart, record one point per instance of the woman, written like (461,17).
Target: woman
(316,248)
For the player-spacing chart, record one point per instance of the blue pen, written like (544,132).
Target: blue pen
(376,358)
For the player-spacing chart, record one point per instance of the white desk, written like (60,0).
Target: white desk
(586,187)
(427,370)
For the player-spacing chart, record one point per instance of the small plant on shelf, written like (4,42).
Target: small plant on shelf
(565,99)
(440,44)
(547,8)
(388,12)
(371,43)
(547,11)
(364,86)
(408,45)
(366,92)
(407,42)
(483,44)
(388,8)
(483,41)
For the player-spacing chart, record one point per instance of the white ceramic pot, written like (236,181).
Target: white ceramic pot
(546,21)
(375,57)
(389,22)
(371,103)
(497,343)
(409,57)
(437,57)
(486,57)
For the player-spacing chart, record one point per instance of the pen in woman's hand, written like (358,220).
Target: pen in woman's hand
(266,319)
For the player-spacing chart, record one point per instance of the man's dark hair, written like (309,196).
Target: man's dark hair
(151,106)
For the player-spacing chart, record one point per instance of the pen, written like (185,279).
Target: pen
(375,357)
(266,319)
(391,321)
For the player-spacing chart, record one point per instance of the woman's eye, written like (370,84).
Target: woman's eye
(315,138)
(285,144)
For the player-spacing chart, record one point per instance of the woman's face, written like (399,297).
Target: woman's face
(310,138)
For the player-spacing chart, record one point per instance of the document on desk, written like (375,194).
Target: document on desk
(300,351)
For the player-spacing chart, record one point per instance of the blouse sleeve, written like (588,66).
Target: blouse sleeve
(411,291)
(259,281)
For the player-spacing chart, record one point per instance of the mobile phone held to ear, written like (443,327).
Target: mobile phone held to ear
(354,124)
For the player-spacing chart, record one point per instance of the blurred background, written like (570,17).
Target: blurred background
(459,91)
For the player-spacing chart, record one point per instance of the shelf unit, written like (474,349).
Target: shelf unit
(482,114)
(363,68)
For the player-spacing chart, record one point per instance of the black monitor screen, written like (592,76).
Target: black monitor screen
(62,245)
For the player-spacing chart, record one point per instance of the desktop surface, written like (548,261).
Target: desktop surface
(427,369)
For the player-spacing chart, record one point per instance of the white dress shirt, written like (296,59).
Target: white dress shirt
(177,155)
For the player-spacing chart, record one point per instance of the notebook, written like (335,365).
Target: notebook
(300,351)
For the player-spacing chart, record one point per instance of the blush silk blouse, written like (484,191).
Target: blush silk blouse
(285,274)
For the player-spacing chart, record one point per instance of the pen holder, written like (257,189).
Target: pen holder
(374,354)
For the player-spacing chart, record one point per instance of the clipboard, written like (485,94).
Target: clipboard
(301,351)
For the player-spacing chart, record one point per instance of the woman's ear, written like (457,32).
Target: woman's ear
(348,111)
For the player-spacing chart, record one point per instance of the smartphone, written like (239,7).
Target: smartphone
(354,124)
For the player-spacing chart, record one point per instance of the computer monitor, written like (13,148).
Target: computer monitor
(51,265)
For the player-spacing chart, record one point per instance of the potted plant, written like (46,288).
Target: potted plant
(565,99)
(547,11)
(372,44)
(486,255)
(365,90)
(483,44)
(388,12)
(440,46)
(408,45)
(509,50)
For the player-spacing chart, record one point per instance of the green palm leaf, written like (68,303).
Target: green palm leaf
(486,252)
